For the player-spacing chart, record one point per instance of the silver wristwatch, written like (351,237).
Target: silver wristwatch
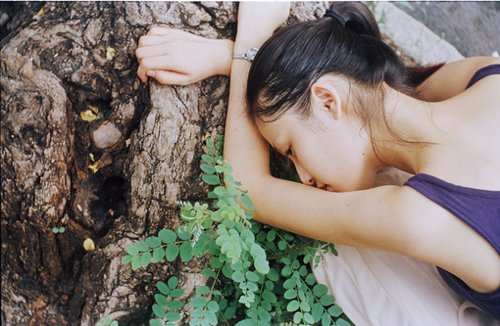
(248,55)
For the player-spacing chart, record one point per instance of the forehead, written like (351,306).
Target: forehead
(286,127)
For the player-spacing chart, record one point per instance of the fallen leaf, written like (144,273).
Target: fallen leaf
(41,12)
(94,167)
(205,137)
(94,108)
(128,142)
(88,244)
(88,115)
(110,53)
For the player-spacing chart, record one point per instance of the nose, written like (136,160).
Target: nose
(304,176)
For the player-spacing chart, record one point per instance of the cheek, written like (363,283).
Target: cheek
(344,166)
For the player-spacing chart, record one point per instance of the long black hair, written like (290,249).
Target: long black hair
(348,43)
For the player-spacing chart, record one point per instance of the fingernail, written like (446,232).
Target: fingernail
(150,73)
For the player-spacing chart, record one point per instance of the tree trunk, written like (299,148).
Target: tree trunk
(143,150)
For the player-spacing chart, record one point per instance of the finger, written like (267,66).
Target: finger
(141,73)
(164,62)
(157,30)
(151,51)
(170,77)
(147,40)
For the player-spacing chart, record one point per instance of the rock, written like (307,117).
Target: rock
(106,136)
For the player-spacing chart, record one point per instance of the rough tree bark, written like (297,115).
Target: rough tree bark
(147,140)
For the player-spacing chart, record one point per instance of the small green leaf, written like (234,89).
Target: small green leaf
(310,279)
(326,320)
(292,306)
(175,305)
(290,294)
(308,318)
(153,242)
(211,179)
(202,290)
(145,259)
(161,299)
(183,235)
(262,266)
(247,202)
(158,255)
(155,322)
(108,320)
(186,251)
(126,259)
(304,306)
(320,290)
(158,310)
(141,246)
(273,275)
(211,318)
(289,284)
(251,276)
(167,236)
(245,322)
(271,235)
(207,168)
(61,229)
(136,262)
(207,272)
(238,277)
(132,250)
(198,302)
(326,300)
(342,322)
(114,323)
(172,282)
(213,306)
(172,316)
(171,252)
(207,158)
(220,190)
(162,287)
(297,317)
(176,293)
(335,311)
(317,311)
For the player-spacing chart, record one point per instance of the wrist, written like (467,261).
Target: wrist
(245,41)
(224,57)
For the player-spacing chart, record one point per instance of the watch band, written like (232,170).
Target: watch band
(248,55)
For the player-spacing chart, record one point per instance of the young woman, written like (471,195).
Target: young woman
(335,99)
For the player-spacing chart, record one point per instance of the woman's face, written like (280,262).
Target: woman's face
(334,154)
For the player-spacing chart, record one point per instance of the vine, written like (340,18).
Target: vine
(256,274)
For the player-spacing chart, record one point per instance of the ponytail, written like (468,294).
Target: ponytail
(346,41)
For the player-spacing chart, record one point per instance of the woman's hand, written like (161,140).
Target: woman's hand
(176,57)
(258,20)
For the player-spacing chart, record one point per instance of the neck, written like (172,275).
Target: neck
(413,130)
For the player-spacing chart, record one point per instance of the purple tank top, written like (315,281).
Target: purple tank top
(480,209)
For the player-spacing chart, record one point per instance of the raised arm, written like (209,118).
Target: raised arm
(289,205)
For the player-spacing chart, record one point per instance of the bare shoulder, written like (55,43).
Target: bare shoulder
(432,226)
(452,78)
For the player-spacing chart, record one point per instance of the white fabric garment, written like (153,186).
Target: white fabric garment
(381,288)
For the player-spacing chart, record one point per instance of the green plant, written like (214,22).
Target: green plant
(108,321)
(256,274)
(57,230)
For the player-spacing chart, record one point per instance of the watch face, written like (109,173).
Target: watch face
(252,52)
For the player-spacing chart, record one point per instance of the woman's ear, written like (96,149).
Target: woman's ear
(325,95)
